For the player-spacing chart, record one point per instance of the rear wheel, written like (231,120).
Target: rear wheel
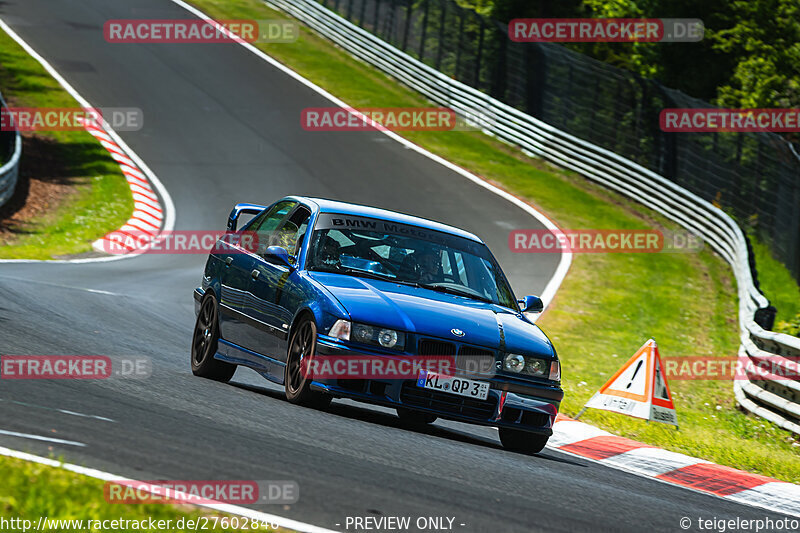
(297,384)
(521,441)
(204,344)
(415,418)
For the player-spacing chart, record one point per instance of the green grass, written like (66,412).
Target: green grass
(777,283)
(609,304)
(99,199)
(31,490)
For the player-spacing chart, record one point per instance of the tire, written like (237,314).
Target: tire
(204,344)
(297,386)
(415,418)
(521,441)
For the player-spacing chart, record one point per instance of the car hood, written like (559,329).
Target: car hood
(435,314)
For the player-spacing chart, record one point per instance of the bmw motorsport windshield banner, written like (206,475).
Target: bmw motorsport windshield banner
(329,221)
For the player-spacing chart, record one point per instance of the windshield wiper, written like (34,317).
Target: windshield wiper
(358,272)
(366,273)
(452,290)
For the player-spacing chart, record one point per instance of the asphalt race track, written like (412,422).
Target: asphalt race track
(222,126)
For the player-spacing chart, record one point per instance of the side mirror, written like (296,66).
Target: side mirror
(279,255)
(531,304)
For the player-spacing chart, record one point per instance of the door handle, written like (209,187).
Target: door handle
(254,274)
(228,261)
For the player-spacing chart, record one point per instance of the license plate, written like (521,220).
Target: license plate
(453,385)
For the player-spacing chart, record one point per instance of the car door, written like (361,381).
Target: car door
(235,301)
(275,288)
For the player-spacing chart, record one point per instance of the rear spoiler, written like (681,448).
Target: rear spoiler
(249,209)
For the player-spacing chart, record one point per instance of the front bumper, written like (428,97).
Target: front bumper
(526,406)
(198,294)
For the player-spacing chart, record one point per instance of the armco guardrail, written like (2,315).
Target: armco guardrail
(9,170)
(777,401)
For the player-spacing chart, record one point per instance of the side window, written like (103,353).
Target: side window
(291,232)
(264,226)
(269,221)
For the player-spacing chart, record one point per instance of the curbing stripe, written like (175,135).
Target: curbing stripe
(145,201)
(602,447)
(717,479)
(773,494)
(583,440)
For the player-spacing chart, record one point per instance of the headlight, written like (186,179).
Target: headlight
(532,366)
(353,331)
(536,367)
(387,338)
(514,363)
(362,333)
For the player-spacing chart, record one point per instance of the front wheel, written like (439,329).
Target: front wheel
(521,441)
(296,382)
(204,344)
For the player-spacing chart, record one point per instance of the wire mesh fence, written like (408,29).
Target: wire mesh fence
(755,177)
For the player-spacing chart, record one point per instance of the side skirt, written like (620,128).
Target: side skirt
(268,367)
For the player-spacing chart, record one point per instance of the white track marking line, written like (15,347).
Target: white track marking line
(73,413)
(50,284)
(65,411)
(39,437)
(169,207)
(222,507)
(566,258)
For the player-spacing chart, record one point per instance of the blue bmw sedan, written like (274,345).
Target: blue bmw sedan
(331,300)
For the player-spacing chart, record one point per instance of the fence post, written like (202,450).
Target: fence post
(477,83)
(442,22)
(363,14)
(424,31)
(460,40)
(498,75)
(409,8)
(375,18)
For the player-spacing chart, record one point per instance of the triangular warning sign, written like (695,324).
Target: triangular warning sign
(638,389)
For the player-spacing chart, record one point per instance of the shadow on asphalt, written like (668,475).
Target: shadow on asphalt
(390,420)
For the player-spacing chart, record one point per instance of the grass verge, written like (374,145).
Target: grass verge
(31,491)
(71,192)
(777,283)
(609,304)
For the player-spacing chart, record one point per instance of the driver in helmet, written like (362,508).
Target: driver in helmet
(429,266)
(328,253)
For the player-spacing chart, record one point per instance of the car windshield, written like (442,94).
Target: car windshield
(407,254)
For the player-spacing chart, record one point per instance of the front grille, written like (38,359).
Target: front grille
(434,347)
(475,351)
(472,360)
(415,396)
